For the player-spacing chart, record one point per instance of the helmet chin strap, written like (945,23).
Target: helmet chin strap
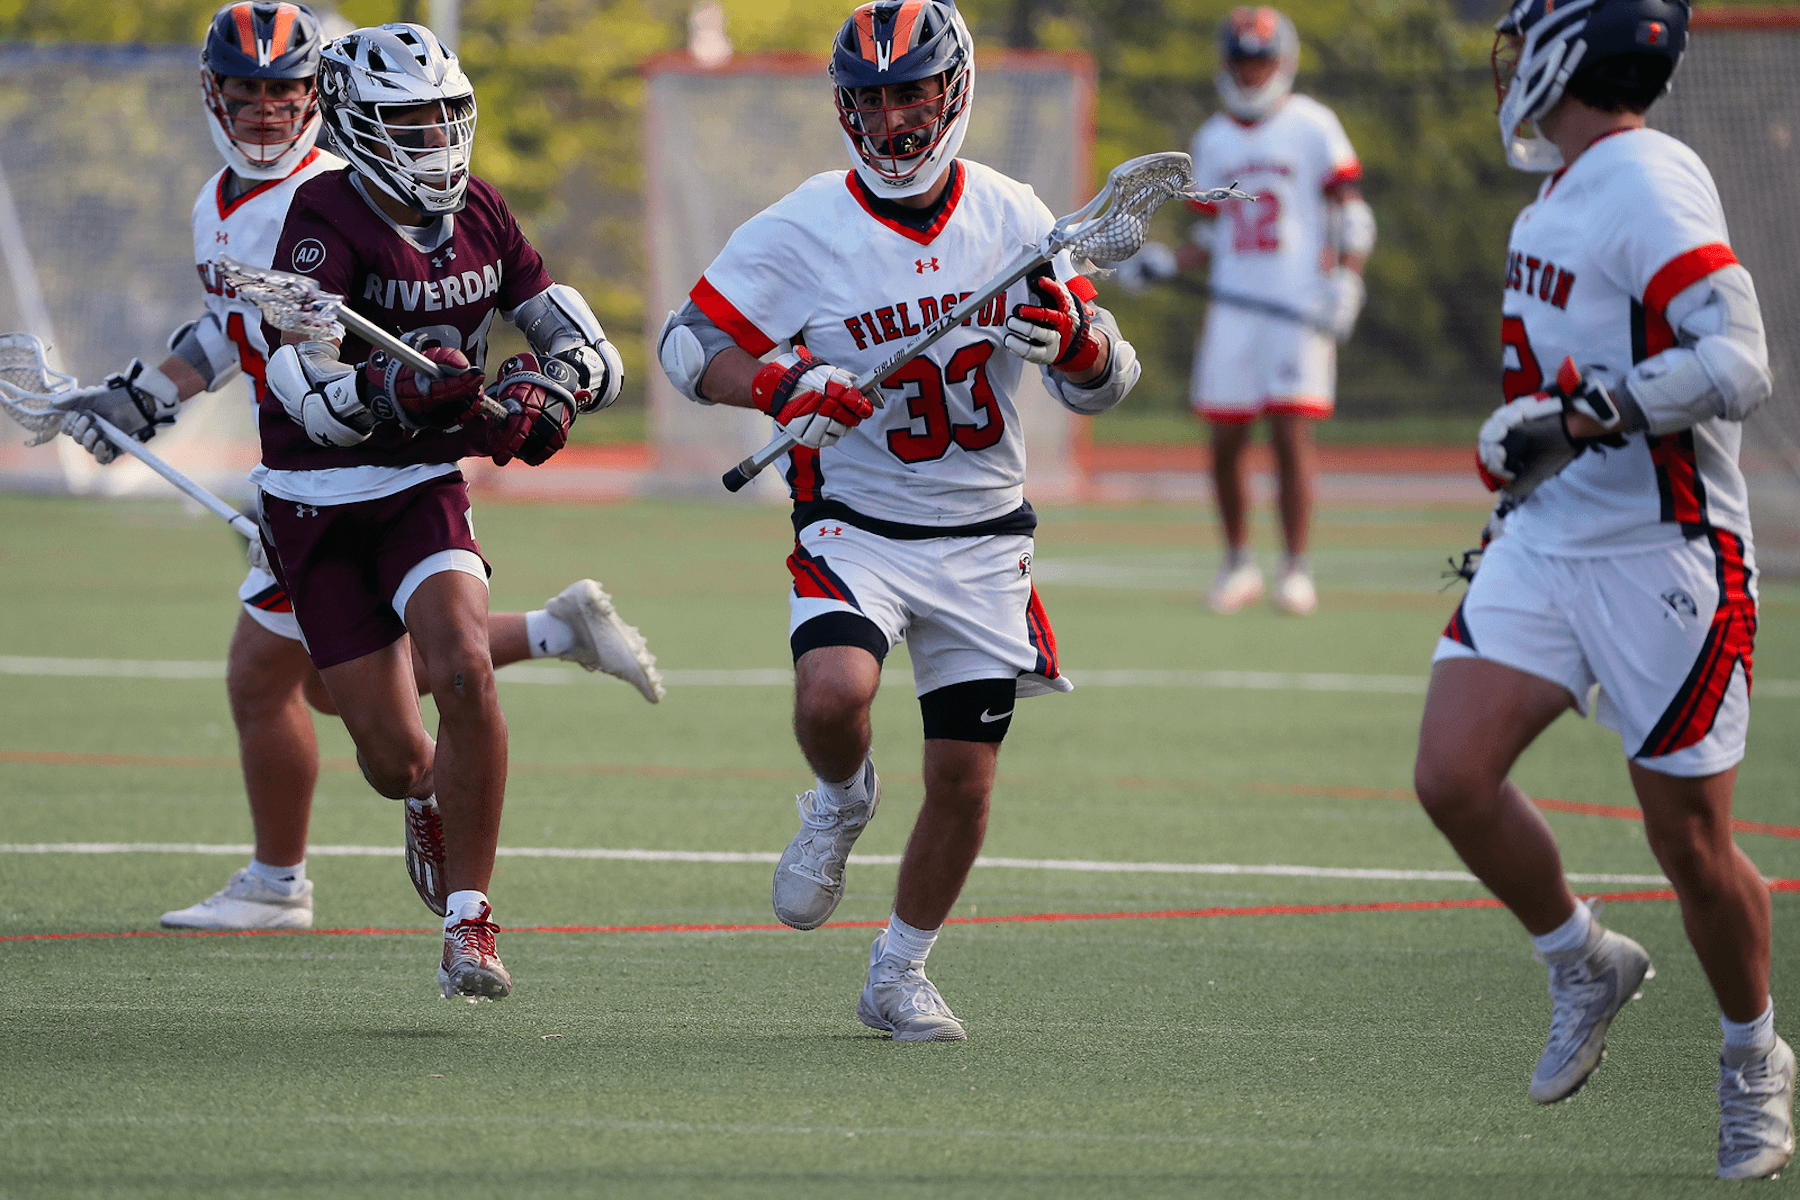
(929,172)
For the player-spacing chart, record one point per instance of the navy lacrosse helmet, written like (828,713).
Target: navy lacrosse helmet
(1256,33)
(1599,51)
(902,149)
(262,39)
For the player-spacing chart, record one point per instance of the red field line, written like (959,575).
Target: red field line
(1172,914)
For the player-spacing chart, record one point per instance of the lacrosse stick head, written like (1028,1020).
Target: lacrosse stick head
(1115,223)
(292,303)
(30,387)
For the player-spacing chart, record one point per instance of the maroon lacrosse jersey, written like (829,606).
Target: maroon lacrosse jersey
(480,266)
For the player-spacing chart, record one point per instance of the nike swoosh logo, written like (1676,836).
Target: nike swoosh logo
(988,718)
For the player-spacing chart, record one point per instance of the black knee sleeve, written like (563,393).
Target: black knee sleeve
(977,711)
(839,629)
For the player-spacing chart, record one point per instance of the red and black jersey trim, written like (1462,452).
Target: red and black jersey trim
(1457,628)
(921,225)
(1043,638)
(1340,177)
(273,598)
(805,477)
(1730,641)
(227,207)
(1678,483)
(815,580)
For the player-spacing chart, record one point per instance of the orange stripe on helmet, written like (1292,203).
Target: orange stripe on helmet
(865,31)
(246,27)
(904,22)
(284,26)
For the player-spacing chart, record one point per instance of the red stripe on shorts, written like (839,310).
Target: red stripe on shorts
(1731,641)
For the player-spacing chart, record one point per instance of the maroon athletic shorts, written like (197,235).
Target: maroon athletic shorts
(342,563)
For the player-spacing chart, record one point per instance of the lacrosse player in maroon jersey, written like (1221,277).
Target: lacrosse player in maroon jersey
(910,522)
(258,64)
(1634,351)
(364,511)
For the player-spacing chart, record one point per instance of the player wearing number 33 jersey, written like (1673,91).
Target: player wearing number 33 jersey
(910,518)
(1633,352)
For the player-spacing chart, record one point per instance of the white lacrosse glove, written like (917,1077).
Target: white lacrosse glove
(319,394)
(812,400)
(137,400)
(1341,301)
(1153,264)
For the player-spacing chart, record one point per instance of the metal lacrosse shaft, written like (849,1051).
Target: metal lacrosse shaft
(1134,190)
(124,441)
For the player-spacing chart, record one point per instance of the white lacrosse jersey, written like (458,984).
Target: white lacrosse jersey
(1274,249)
(1591,267)
(822,268)
(247,229)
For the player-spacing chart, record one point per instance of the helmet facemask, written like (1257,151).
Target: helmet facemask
(262,129)
(895,128)
(420,152)
(1251,35)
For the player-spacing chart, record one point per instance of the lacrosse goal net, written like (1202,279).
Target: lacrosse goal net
(723,143)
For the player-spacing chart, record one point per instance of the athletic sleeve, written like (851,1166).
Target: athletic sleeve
(764,285)
(1342,167)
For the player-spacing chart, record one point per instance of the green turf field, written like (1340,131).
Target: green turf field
(1373,1053)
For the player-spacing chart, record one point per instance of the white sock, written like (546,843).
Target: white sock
(1745,1040)
(548,637)
(1236,556)
(906,944)
(854,790)
(288,879)
(1291,563)
(464,906)
(1568,937)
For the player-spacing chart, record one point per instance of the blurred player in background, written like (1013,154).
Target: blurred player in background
(911,522)
(257,72)
(1286,287)
(364,511)
(1633,351)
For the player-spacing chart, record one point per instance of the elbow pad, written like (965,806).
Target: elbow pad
(319,394)
(557,323)
(1122,372)
(202,345)
(1350,227)
(1721,368)
(688,343)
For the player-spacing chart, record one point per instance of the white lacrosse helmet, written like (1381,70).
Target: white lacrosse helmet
(368,77)
(1252,33)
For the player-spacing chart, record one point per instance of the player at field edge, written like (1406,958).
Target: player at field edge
(258,65)
(910,521)
(1286,287)
(1633,351)
(364,511)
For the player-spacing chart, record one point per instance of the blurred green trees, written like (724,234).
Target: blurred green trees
(561,103)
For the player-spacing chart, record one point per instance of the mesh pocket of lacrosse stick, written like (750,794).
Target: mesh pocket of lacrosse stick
(291,302)
(30,389)
(1134,191)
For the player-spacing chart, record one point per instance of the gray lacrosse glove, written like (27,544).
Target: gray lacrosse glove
(137,400)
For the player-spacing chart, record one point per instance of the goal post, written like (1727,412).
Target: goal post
(723,143)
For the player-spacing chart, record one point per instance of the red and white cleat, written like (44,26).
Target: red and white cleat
(472,968)
(425,853)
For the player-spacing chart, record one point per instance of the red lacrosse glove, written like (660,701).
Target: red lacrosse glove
(539,410)
(1056,332)
(813,400)
(404,396)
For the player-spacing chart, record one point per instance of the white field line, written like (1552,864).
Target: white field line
(1266,681)
(886,860)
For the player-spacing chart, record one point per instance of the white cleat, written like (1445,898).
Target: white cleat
(425,852)
(898,999)
(1294,593)
(471,968)
(1235,588)
(247,902)
(809,879)
(1586,992)
(1756,1115)
(603,642)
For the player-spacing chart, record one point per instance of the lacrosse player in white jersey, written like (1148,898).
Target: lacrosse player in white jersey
(910,521)
(1633,352)
(1286,288)
(258,65)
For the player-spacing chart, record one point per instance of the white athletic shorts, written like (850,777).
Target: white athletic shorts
(964,605)
(1248,364)
(268,604)
(1667,634)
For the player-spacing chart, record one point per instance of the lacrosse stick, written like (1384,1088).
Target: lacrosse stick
(41,399)
(297,304)
(1107,229)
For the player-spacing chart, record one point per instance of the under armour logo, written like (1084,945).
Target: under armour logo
(449,255)
(221,238)
(925,265)
(305,510)
(827,531)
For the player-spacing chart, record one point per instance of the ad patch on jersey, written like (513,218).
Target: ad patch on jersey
(309,255)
